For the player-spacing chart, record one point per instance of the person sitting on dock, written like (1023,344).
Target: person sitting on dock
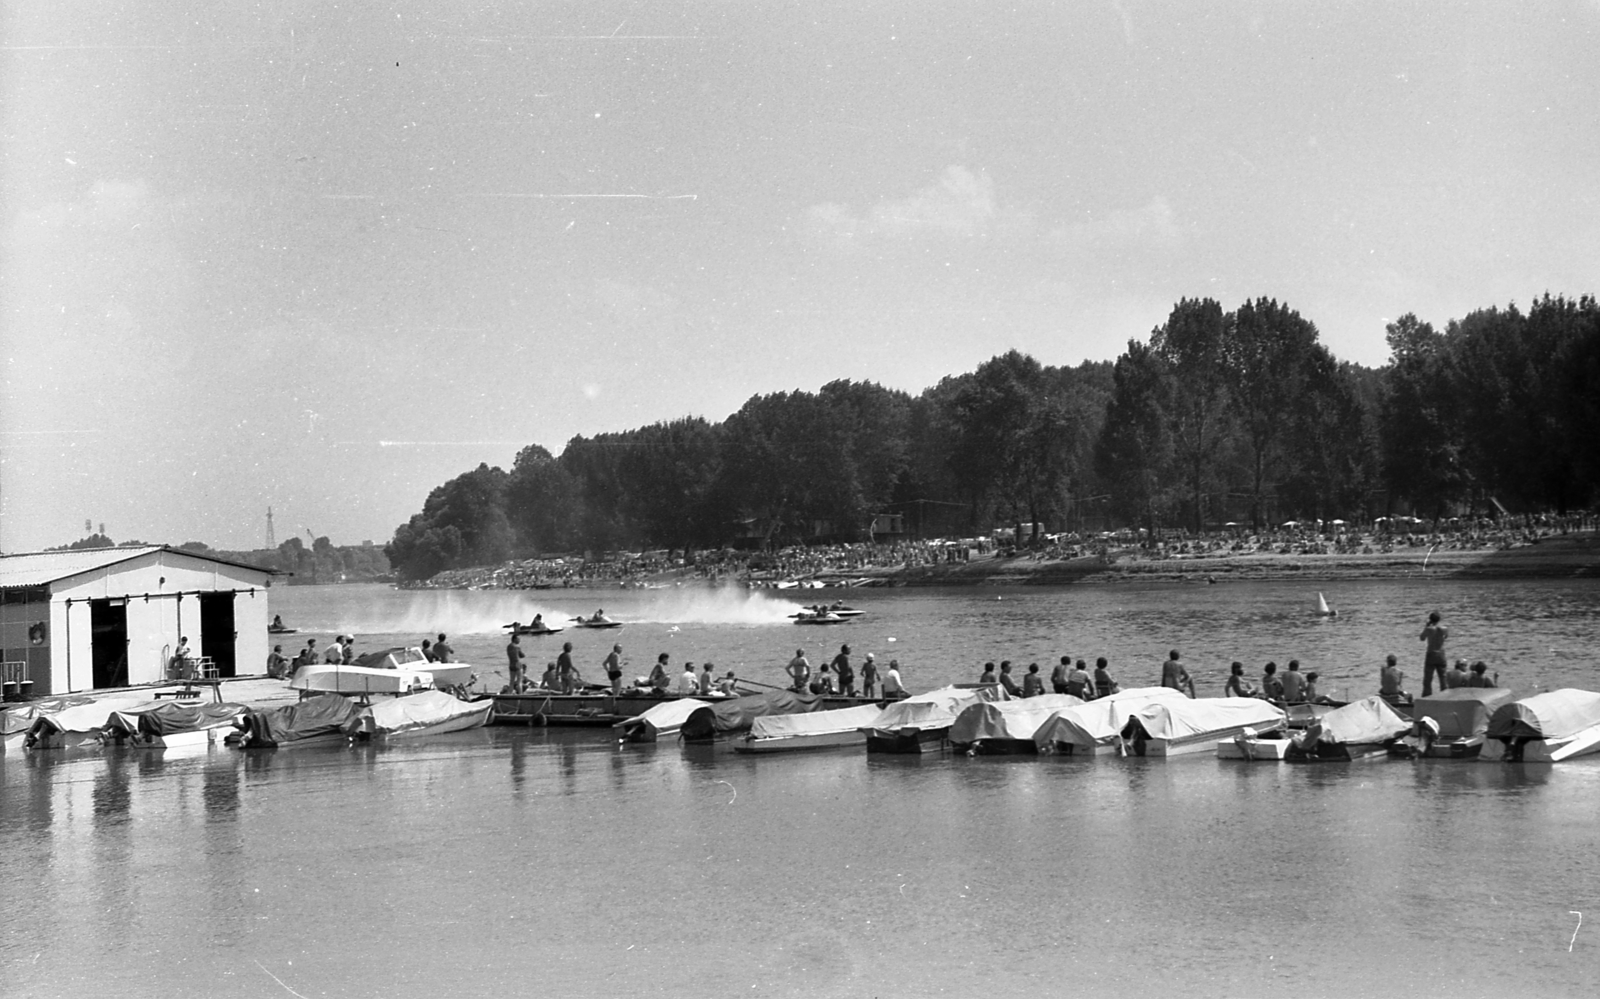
(1312,697)
(1173,675)
(869,676)
(1079,683)
(1032,682)
(613,667)
(823,683)
(442,650)
(799,671)
(1058,676)
(1104,685)
(1392,681)
(1237,685)
(1271,686)
(308,655)
(1006,681)
(1479,677)
(551,680)
(659,680)
(349,649)
(893,688)
(988,677)
(688,683)
(1294,684)
(277,665)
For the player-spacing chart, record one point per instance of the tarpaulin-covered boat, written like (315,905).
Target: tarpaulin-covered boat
(169,726)
(1454,724)
(1363,729)
(921,722)
(1180,727)
(810,730)
(665,720)
(80,725)
(1094,728)
(1550,727)
(314,721)
(17,719)
(737,714)
(1006,726)
(428,712)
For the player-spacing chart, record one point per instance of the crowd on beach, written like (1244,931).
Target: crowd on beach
(864,562)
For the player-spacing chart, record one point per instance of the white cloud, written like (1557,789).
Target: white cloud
(1154,226)
(959,204)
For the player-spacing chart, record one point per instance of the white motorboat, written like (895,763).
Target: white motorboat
(1364,729)
(1548,728)
(921,723)
(810,730)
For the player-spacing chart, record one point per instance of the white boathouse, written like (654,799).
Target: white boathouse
(113,617)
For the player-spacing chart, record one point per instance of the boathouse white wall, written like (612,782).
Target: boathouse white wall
(159,593)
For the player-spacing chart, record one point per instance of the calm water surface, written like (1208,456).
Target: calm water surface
(550,862)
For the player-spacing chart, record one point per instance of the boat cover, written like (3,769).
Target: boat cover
(1183,718)
(1099,722)
(359,679)
(1462,713)
(815,722)
(1553,715)
(89,717)
(167,718)
(398,715)
(1368,720)
(1017,719)
(393,658)
(291,723)
(667,715)
(16,718)
(936,708)
(737,714)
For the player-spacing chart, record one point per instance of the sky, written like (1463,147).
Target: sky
(323,256)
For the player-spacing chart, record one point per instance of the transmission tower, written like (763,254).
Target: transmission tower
(272,538)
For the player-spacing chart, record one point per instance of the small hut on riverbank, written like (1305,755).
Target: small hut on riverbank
(114,617)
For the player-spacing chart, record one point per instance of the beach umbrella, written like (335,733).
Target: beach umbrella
(1337,523)
(1291,523)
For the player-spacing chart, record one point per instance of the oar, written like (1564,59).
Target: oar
(758,683)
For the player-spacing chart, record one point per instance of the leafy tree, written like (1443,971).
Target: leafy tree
(1135,450)
(1421,439)
(1193,344)
(1267,351)
(542,501)
(462,522)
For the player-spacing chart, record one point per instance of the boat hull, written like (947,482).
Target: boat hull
(800,743)
(1341,752)
(1205,742)
(594,710)
(1252,749)
(1584,743)
(908,741)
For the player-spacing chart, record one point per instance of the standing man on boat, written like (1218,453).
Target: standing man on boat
(799,671)
(567,671)
(514,662)
(613,666)
(893,688)
(1175,676)
(1434,634)
(846,674)
(869,676)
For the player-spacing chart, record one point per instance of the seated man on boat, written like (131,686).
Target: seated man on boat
(1391,682)
(1006,680)
(277,622)
(688,683)
(659,680)
(1271,686)
(1079,683)
(988,676)
(599,617)
(1032,682)
(1058,676)
(708,683)
(728,684)
(823,683)
(1458,676)
(1173,674)
(1104,685)
(1237,685)
(893,688)
(551,680)
(1294,684)
(1478,678)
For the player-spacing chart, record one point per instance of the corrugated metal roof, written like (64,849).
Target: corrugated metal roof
(43,568)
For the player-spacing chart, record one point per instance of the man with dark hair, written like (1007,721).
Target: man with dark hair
(1434,659)
(1175,676)
(842,669)
(1058,676)
(1294,684)
(1005,679)
(1392,682)
(442,650)
(514,662)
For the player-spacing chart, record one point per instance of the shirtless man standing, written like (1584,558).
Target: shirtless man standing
(799,671)
(1434,634)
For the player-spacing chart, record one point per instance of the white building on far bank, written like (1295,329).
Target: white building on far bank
(112,617)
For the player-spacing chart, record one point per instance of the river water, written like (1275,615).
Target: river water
(551,862)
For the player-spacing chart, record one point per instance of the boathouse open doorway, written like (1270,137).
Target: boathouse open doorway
(218,637)
(108,631)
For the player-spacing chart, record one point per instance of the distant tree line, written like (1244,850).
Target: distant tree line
(1241,415)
